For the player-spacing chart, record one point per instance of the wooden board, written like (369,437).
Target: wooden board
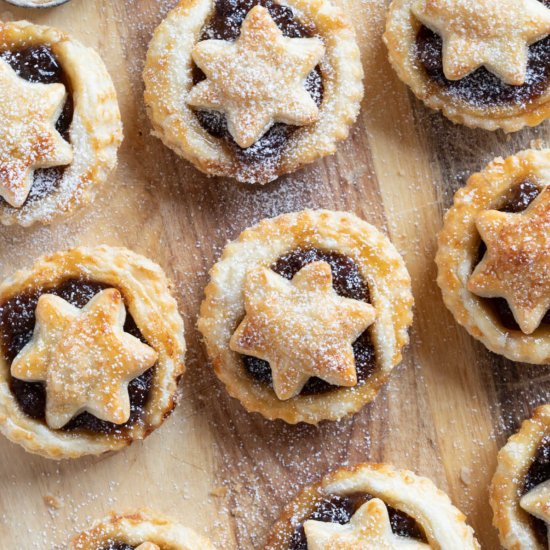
(444,414)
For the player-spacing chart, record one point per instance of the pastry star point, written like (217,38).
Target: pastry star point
(302,327)
(485,33)
(258,79)
(537,503)
(368,529)
(28,138)
(516,266)
(84,357)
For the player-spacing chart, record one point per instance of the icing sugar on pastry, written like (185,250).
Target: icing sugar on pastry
(484,64)
(85,358)
(253,91)
(369,528)
(537,502)
(28,138)
(493,34)
(60,125)
(372,507)
(516,265)
(301,327)
(520,488)
(494,256)
(258,79)
(306,315)
(82,333)
(130,529)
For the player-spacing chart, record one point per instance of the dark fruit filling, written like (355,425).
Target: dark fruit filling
(340,510)
(39,64)
(538,473)
(481,87)
(17,320)
(116,545)
(519,198)
(225,24)
(349,283)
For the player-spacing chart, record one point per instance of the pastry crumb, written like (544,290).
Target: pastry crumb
(53,503)
(219,492)
(466,475)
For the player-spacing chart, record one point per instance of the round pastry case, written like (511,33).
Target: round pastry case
(218,469)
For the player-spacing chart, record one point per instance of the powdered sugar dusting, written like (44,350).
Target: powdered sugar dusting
(213,466)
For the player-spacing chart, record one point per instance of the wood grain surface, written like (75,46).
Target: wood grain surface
(445,412)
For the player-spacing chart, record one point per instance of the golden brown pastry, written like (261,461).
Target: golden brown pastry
(141,530)
(482,63)
(60,124)
(91,350)
(520,490)
(306,315)
(372,506)
(494,257)
(253,91)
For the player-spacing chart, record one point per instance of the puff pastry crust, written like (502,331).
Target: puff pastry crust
(443,525)
(402,27)
(514,460)
(95,131)
(168,81)
(306,306)
(147,297)
(263,58)
(29,138)
(458,248)
(260,246)
(138,528)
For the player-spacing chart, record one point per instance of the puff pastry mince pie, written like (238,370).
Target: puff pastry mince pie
(253,89)
(520,490)
(91,350)
(59,123)
(372,506)
(482,63)
(494,257)
(140,530)
(306,315)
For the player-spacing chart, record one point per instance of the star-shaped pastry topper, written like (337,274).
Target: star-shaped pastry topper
(84,357)
(28,138)
(148,546)
(302,328)
(258,79)
(369,529)
(516,266)
(492,33)
(537,503)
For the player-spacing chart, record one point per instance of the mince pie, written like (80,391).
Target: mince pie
(375,507)
(520,490)
(306,315)
(141,530)
(91,350)
(253,89)
(60,123)
(483,63)
(494,257)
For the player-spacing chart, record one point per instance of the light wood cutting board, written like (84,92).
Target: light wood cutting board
(444,414)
